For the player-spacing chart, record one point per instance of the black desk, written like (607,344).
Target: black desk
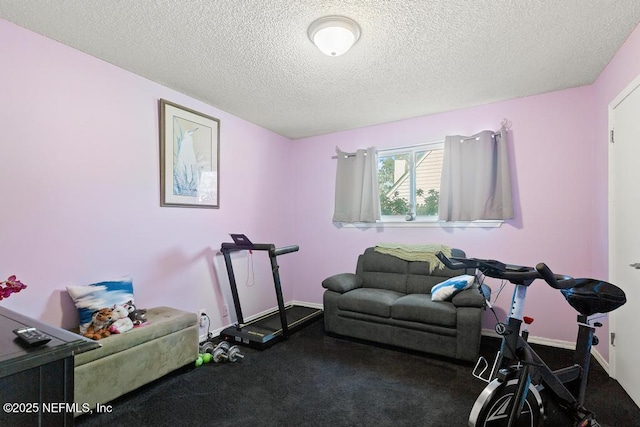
(36,383)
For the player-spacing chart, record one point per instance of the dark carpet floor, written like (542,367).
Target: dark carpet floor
(317,380)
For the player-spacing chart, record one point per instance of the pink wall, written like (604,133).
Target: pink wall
(558,143)
(550,142)
(79,185)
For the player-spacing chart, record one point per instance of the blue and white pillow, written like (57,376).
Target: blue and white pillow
(444,291)
(91,298)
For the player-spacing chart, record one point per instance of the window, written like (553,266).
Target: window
(409,182)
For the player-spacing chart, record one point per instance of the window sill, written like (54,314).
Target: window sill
(422,224)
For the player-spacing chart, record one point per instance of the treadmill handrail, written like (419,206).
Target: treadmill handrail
(285,250)
(270,247)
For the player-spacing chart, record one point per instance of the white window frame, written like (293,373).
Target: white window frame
(400,221)
(412,151)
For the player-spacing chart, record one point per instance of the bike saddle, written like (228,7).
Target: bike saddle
(591,296)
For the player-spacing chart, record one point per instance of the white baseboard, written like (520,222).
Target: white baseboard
(567,345)
(306,304)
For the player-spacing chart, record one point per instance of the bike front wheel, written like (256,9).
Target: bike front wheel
(491,407)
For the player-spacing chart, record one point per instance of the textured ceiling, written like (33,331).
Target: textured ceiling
(253,59)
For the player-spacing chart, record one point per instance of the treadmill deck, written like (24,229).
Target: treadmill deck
(267,330)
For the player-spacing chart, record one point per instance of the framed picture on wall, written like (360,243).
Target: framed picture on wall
(189,157)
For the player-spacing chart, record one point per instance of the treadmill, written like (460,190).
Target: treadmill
(266,330)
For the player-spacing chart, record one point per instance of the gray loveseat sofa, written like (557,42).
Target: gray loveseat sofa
(388,301)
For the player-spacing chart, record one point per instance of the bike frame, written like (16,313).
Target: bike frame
(517,362)
(516,358)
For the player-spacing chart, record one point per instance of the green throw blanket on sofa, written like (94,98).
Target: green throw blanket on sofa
(415,252)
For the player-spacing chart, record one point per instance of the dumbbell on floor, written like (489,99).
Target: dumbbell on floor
(233,354)
(222,352)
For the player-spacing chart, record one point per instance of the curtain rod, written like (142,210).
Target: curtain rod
(406,147)
(347,155)
(476,138)
(505,123)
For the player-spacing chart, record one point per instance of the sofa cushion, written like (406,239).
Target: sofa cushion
(444,291)
(374,261)
(420,308)
(379,280)
(376,302)
(382,271)
(420,284)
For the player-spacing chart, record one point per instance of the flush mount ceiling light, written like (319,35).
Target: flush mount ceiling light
(334,35)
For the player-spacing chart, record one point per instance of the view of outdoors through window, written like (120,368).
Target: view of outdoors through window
(409,180)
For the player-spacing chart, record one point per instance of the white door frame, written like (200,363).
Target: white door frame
(611,192)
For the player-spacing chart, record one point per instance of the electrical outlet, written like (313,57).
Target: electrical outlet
(225,310)
(202,317)
(203,325)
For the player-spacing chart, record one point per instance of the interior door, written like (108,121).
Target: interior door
(624,235)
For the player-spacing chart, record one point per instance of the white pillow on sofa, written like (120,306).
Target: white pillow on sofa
(444,291)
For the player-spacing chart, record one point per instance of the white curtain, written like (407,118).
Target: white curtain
(357,198)
(476,183)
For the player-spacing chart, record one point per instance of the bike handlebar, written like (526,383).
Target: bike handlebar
(449,263)
(557,281)
(513,273)
(516,274)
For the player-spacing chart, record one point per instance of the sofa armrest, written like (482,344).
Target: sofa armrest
(471,297)
(343,282)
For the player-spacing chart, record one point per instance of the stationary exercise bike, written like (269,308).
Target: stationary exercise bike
(520,381)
